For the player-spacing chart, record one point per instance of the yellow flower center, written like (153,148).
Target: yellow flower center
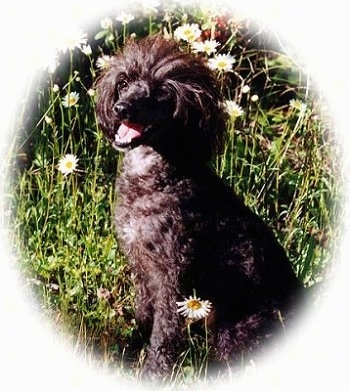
(222,65)
(72,101)
(69,165)
(189,35)
(194,305)
(207,49)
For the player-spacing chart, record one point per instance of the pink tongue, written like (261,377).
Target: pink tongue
(129,131)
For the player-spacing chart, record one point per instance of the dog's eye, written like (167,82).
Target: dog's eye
(122,84)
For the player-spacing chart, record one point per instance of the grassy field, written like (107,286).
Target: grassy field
(281,157)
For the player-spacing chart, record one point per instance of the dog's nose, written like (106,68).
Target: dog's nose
(123,110)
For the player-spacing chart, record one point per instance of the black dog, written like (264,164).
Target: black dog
(180,226)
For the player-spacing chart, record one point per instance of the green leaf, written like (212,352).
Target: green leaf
(101,34)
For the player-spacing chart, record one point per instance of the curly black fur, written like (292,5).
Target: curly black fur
(180,226)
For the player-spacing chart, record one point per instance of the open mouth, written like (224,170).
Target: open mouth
(127,133)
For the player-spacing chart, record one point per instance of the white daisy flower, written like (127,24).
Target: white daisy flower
(188,32)
(297,104)
(86,49)
(208,47)
(103,62)
(107,23)
(70,99)
(76,40)
(221,63)
(150,6)
(233,109)
(254,98)
(194,308)
(67,164)
(125,18)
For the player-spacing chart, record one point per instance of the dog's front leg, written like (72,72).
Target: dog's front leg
(166,333)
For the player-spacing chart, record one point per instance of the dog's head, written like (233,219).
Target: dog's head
(154,94)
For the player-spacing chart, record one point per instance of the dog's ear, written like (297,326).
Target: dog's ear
(199,105)
(106,91)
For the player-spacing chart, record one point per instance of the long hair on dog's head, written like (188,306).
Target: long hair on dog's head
(155,94)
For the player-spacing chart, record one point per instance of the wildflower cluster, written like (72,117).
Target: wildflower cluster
(191,33)
(219,62)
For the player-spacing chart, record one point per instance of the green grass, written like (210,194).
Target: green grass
(281,158)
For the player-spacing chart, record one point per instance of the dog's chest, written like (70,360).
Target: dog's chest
(147,205)
(141,161)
